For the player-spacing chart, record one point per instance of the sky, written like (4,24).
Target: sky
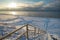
(35,4)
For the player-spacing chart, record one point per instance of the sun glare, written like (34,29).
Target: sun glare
(14,13)
(12,5)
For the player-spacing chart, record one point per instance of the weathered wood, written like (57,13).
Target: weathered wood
(11,33)
(27,29)
(27,38)
(20,35)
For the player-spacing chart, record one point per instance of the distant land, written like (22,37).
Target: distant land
(25,9)
(31,12)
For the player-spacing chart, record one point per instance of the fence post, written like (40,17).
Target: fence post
(38,33)
(27,32)
(34,32)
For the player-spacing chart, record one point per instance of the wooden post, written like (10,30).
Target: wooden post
(34,32)
(38,31)
(27,38)
(38,34)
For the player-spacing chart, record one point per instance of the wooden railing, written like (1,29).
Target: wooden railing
(27,29)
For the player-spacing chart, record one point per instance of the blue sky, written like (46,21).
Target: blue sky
(27,1)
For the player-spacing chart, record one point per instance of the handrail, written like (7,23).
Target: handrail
(20,35)
(38,28)
(11,32)
(27,37)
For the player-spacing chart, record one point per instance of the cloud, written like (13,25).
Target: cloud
(53,5)
(25,5)
(37,4)
(22,5)
(41,5)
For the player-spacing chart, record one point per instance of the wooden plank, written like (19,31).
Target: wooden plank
(20,35)
(11,33)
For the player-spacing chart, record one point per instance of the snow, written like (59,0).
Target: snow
(52,24)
